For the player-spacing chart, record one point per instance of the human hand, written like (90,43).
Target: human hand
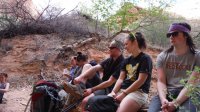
(112,94)
(87,92)
(120,97)
(66,72)
(164,105)
(171,107)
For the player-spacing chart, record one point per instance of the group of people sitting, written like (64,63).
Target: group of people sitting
(127,80)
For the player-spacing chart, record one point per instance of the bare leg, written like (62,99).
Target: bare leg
(86,67)
(128,105)
(86,73)
(84,102)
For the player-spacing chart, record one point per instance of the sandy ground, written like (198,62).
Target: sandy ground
(16,100)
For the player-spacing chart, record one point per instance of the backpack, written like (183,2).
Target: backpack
(45,98)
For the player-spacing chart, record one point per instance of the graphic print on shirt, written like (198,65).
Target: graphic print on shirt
(177,66)
(131,71)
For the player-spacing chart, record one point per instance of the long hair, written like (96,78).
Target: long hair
(140,39)
(81,57)
(189,40)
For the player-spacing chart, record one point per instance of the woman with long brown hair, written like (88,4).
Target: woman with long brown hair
(172,66)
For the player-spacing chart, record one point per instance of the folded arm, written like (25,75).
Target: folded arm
(6,88)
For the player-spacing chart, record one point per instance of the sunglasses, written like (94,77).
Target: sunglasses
(112,47)
(174,34)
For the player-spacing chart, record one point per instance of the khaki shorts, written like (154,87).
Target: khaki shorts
(138,96)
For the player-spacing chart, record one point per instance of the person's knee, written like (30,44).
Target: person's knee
(83,104)
(128,105)
(85,100)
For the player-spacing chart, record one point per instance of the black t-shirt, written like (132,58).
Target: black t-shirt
(133,66)
(111,67)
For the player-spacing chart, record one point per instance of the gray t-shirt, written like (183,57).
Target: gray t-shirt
(176,66)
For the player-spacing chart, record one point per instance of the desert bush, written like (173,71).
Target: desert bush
(17,19)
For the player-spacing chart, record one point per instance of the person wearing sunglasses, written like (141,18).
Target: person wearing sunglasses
(172,66)
(110,68)
(132,87)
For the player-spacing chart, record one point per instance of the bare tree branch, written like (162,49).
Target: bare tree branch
(198,35)
(41,14)
(17,19)
(72,9)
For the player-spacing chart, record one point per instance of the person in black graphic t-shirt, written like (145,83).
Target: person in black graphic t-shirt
(132,87)
(133,66)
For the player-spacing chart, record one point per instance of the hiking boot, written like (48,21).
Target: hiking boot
(74,90)
(71,105)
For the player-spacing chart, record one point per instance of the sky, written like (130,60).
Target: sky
(189,9)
